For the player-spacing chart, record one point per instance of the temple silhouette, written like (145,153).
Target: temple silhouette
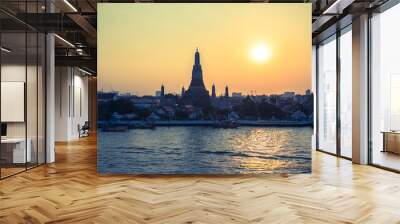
(197,94)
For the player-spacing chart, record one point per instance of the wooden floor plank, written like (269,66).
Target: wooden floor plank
(70,191)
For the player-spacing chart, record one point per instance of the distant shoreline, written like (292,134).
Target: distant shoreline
(258,123)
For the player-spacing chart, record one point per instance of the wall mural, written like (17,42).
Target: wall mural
(204,88)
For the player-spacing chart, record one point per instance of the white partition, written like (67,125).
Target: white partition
(12,101)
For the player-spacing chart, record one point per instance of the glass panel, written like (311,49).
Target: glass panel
(31,98)
(346,94)
(23,90)
(13,88)
(41,99)
(32,88)
(327,96)
(385,81)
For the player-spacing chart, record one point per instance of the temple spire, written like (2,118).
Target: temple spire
(183,91)
(162,90)
(197,57)
(213,94)
(197,73)
(197,93)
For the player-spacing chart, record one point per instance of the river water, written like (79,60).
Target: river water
(205,150)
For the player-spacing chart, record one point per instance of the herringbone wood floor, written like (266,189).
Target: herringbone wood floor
(70,191)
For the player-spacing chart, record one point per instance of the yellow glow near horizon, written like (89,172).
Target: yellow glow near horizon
(141,46)
(260,53)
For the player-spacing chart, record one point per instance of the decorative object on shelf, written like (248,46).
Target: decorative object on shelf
(391,141)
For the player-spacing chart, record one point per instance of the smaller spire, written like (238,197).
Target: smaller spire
(183,91)
(162,90)
(213,94)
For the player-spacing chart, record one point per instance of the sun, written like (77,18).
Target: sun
(260,53)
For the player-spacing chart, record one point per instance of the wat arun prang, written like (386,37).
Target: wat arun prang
(197,94)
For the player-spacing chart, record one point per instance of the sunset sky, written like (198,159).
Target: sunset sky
(253,48)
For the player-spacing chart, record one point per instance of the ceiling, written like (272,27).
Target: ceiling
(75,21)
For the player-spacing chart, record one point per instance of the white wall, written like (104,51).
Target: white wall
(81,104)
(13,72)
(62,82)
(13,101)
(16,73)
(33,127)
(10,73)
(71,102)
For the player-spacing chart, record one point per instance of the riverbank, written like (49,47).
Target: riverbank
(257,123)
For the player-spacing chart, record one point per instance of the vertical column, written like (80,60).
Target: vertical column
(314,90)
(338,77)
(316,98)
(50,92)
(360,89)
(63,113)
(92,98)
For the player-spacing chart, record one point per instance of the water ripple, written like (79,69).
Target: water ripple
(201,150)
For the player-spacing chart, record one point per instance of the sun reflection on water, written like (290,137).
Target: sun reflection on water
(200,150)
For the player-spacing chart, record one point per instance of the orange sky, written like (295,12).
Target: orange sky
(141,46)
